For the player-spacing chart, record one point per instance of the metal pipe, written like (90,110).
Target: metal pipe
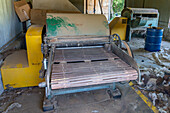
(94,10)
(139,79)
(49,71)
(80,89)
(79,47)
(143,3)
(100,7)
(45,63)
(125,4)
(114,86)
(109,10)
(86,7)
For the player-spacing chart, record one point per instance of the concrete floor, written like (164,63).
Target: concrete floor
(137,46)
(86,102)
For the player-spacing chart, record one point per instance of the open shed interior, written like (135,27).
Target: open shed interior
(85,56)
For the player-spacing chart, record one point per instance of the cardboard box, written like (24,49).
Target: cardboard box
(23,10)
(38,16)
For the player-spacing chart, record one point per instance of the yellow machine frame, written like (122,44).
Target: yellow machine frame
(21,69)
(118,26)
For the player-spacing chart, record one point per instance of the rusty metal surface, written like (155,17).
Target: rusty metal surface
(124,57)
(141,10)
(82,55)
(77,40)
(144,10)
(97,66)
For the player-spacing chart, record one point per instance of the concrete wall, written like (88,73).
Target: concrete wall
(135,3)
(164,11)
(10,26)
(163,8)
(161,5)
(9,22)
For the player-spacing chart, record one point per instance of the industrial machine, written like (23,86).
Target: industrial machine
(80,55)
(139,19)
(23,67)
(75,53)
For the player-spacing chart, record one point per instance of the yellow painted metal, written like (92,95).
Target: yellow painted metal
(118,25)
(21,69)
(144,98)
(34,41)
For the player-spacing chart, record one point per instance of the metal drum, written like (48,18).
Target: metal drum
(153,39)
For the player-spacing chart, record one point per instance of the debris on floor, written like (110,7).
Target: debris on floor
(12,106)
(158,90)
(151,84)
(94,111)
(155,71)
(8,100)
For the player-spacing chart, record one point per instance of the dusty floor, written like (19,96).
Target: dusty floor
(85,102)
(143,57)
(30,100)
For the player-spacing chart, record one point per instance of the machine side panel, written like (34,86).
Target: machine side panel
(34,41)
(18,71)
(118,26)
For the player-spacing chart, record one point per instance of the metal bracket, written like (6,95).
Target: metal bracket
(50,58)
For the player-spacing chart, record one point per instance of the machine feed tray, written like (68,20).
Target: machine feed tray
(88,66)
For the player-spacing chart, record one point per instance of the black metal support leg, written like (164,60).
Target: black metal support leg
(24,25)
(47,105)
(114,92)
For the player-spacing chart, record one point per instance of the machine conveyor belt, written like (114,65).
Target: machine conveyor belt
(78,55)
(92,66)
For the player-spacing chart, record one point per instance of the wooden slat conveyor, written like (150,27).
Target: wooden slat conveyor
(88,66)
